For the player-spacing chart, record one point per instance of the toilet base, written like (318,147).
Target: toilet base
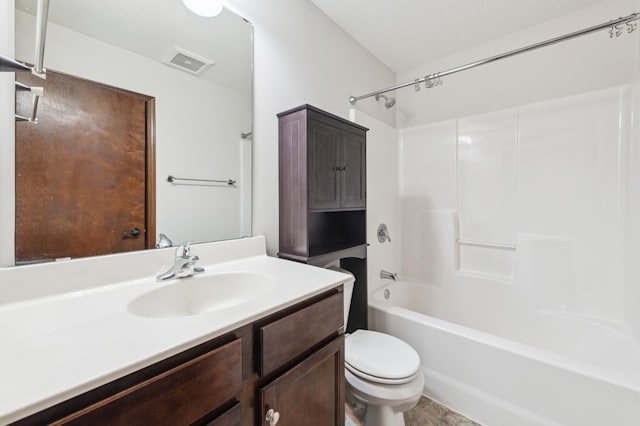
(383,415)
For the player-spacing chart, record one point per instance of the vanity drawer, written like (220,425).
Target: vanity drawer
(180,395)
(284,339)
(231,417)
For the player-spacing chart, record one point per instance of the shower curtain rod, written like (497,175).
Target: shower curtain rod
(434,79)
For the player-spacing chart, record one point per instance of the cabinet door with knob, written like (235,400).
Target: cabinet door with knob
(309,394)
(353,173)
(336,161)
(325,167)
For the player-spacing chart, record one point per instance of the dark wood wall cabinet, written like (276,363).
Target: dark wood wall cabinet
(323,195)
(288,366)
(322,183)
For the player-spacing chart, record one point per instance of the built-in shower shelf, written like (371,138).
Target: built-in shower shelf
(488,244)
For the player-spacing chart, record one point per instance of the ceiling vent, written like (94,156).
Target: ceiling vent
(186,61)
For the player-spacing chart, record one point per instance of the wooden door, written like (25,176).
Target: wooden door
(311,393)
(353,171)
(85,172)
(324,163)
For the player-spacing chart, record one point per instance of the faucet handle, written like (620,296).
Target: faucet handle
(184,250)
(383,233)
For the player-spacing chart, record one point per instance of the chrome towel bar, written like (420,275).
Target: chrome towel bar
(173,179)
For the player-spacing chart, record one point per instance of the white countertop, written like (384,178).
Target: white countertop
(62,345)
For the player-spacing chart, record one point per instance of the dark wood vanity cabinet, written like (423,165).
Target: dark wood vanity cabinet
(311,393)
(303,377)
(322,183)
(291,361)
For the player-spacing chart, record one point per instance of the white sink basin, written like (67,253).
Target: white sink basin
(200,294)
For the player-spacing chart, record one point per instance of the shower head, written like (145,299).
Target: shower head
(388,102)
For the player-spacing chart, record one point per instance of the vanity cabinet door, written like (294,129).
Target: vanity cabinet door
(309,394)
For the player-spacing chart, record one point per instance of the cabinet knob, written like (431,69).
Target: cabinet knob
(272,417)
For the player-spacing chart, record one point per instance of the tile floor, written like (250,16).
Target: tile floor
(426,413)
(430,413)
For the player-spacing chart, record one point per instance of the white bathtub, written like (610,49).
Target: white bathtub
(501,363)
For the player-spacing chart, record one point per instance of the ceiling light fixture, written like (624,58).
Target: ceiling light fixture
(207,8)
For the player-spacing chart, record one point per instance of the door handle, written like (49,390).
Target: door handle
(131,233)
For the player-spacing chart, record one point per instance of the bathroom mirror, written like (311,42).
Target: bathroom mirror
(198,73)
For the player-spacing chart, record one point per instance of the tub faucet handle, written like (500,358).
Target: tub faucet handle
(383,233)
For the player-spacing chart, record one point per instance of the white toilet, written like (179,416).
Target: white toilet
(381,371)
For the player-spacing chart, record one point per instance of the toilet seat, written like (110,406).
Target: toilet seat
(380,358)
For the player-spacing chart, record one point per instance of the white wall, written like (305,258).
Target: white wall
(301,56)
(383,201)
(584,64)
(7,136)
(198,127)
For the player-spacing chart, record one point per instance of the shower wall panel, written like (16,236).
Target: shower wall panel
(487,177)
(545,180)
(632,234)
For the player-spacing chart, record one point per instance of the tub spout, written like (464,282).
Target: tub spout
(388,275)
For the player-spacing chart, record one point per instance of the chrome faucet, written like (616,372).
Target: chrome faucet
(183,266)
(388,275)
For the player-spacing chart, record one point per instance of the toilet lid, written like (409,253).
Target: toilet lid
(380,355)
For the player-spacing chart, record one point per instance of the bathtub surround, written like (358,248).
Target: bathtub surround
(518,205)
(533,195)
(501,236)
(632,219)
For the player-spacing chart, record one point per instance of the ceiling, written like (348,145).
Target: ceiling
(406,33)
(152,27)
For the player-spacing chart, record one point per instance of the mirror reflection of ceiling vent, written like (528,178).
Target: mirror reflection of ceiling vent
(186,61)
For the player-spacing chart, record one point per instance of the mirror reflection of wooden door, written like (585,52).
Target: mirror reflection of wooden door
(85,174)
